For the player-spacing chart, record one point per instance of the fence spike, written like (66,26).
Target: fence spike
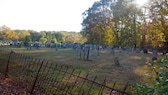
(77,76)
(102,87)
(60,71)
(92,84)
(36,78)
(55,82)
(126,85)
(80,88)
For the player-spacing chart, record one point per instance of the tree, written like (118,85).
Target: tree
(80,38)
(22,34)
(60,36)
(43,33)
(54,40)
(49,36)
(158,16)
(95,26)
(108,22)
(70,38)
(155,35)
(43,40)
(27,40)
(7,34)
(35,36)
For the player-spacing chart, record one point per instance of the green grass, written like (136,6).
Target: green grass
(131,69)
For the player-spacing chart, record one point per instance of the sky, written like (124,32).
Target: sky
(39,15)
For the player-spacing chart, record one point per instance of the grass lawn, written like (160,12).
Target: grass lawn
(131,69)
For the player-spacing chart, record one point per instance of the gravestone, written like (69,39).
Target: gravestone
(155,52)
(123,48)
(164,52)
(56,48)
(79,51)
(84,52)
(138,51)
(133,49)
(112,51)
(145,51)
(29,47)
(98,51)
(87,53)
(116,61)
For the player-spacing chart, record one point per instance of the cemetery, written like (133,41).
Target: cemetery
(121,47)
(113,64)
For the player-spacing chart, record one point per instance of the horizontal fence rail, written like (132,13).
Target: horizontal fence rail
(42,77)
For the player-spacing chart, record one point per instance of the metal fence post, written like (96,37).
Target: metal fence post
(36,78)
(7,65)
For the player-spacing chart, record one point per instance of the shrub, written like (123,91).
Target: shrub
(157,79)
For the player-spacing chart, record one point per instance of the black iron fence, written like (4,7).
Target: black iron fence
(42,77)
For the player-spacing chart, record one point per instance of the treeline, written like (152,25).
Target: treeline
(124,23)
(121,23)
(8,34)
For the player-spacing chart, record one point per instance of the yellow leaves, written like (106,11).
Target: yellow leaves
(109,37)
(155,34)
(8,34)
(22,34)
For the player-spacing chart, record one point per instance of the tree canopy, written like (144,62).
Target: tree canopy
(43,36)
(123,23)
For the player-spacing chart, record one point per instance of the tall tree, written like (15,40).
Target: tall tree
(159,17)
(110,21)
(43,40)
(7,34)
(60,36)
(27,40)
(49,36)
(35,36)
(95,24)
(22,34)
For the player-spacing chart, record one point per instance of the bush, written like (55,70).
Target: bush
(157,79)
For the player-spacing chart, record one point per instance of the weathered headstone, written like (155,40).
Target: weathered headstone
(116,61)
(164,52)
(98,51)
(145,51)
(79,51)
(132,49)
(84,52)
(155,52)
(112,51)
(87,53)
(123,48)
(138,50)
(29,47)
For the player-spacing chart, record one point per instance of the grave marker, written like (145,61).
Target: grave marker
(145,51)
(155,52)
(164,52)
(116,61)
